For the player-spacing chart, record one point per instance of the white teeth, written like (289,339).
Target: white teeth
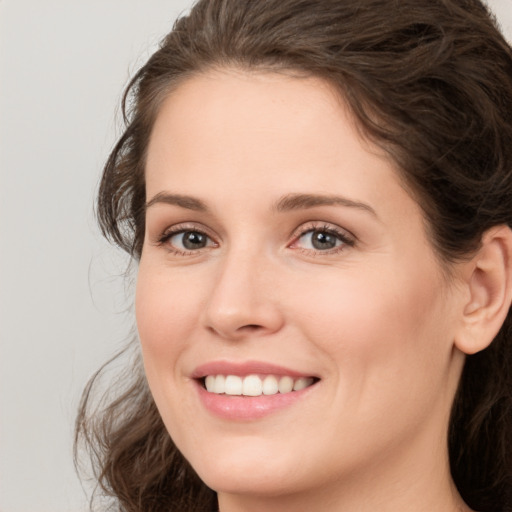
(253,385)
(209,382)
(285,384)
(219,385)
(302,383)
(270,386)
(233,385)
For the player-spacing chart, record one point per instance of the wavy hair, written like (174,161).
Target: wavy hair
(430,81)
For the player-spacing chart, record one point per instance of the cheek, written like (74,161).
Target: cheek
(166,313)
(378,324)
(386,338)
(164,307)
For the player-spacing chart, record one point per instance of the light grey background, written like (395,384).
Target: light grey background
(63,306)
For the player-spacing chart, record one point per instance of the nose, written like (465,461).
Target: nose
(243,301)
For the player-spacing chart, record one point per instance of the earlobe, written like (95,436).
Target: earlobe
(489,281)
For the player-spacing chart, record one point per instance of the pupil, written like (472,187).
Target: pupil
(194,240)
(323,240)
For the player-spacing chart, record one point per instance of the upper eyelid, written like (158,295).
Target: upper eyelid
(322,225)
(302,228)
(186,226)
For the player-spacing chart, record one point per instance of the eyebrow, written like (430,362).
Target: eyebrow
(187,202)
(304,201)
(286,203)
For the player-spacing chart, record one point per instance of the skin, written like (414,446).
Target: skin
(375,319)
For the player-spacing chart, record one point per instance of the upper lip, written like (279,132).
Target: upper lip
(244,368)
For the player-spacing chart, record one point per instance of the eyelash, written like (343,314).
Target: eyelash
(179,229)
(346,239)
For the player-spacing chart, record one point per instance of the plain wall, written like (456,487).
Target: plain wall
(63,66)
(64,307)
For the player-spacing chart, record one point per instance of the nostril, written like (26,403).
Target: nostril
(242,329)
(249,327)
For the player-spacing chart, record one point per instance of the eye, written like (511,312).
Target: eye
(322,239)
(319,240)
(185,241)
(189,240)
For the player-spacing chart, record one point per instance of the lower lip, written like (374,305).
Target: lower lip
(248,407)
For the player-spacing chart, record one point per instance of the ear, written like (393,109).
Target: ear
(488,278)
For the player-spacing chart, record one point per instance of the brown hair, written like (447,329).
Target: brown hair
(428,80)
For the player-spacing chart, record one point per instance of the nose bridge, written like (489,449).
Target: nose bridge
(242,299)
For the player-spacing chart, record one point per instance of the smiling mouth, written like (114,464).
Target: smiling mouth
(255,385)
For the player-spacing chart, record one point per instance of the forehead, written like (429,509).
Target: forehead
(230,103)
(261,126)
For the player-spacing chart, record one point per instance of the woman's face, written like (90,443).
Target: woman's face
(281,246)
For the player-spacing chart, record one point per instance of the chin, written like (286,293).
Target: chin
(243,471)
(248,481)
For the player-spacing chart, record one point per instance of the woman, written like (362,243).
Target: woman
(318,196)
